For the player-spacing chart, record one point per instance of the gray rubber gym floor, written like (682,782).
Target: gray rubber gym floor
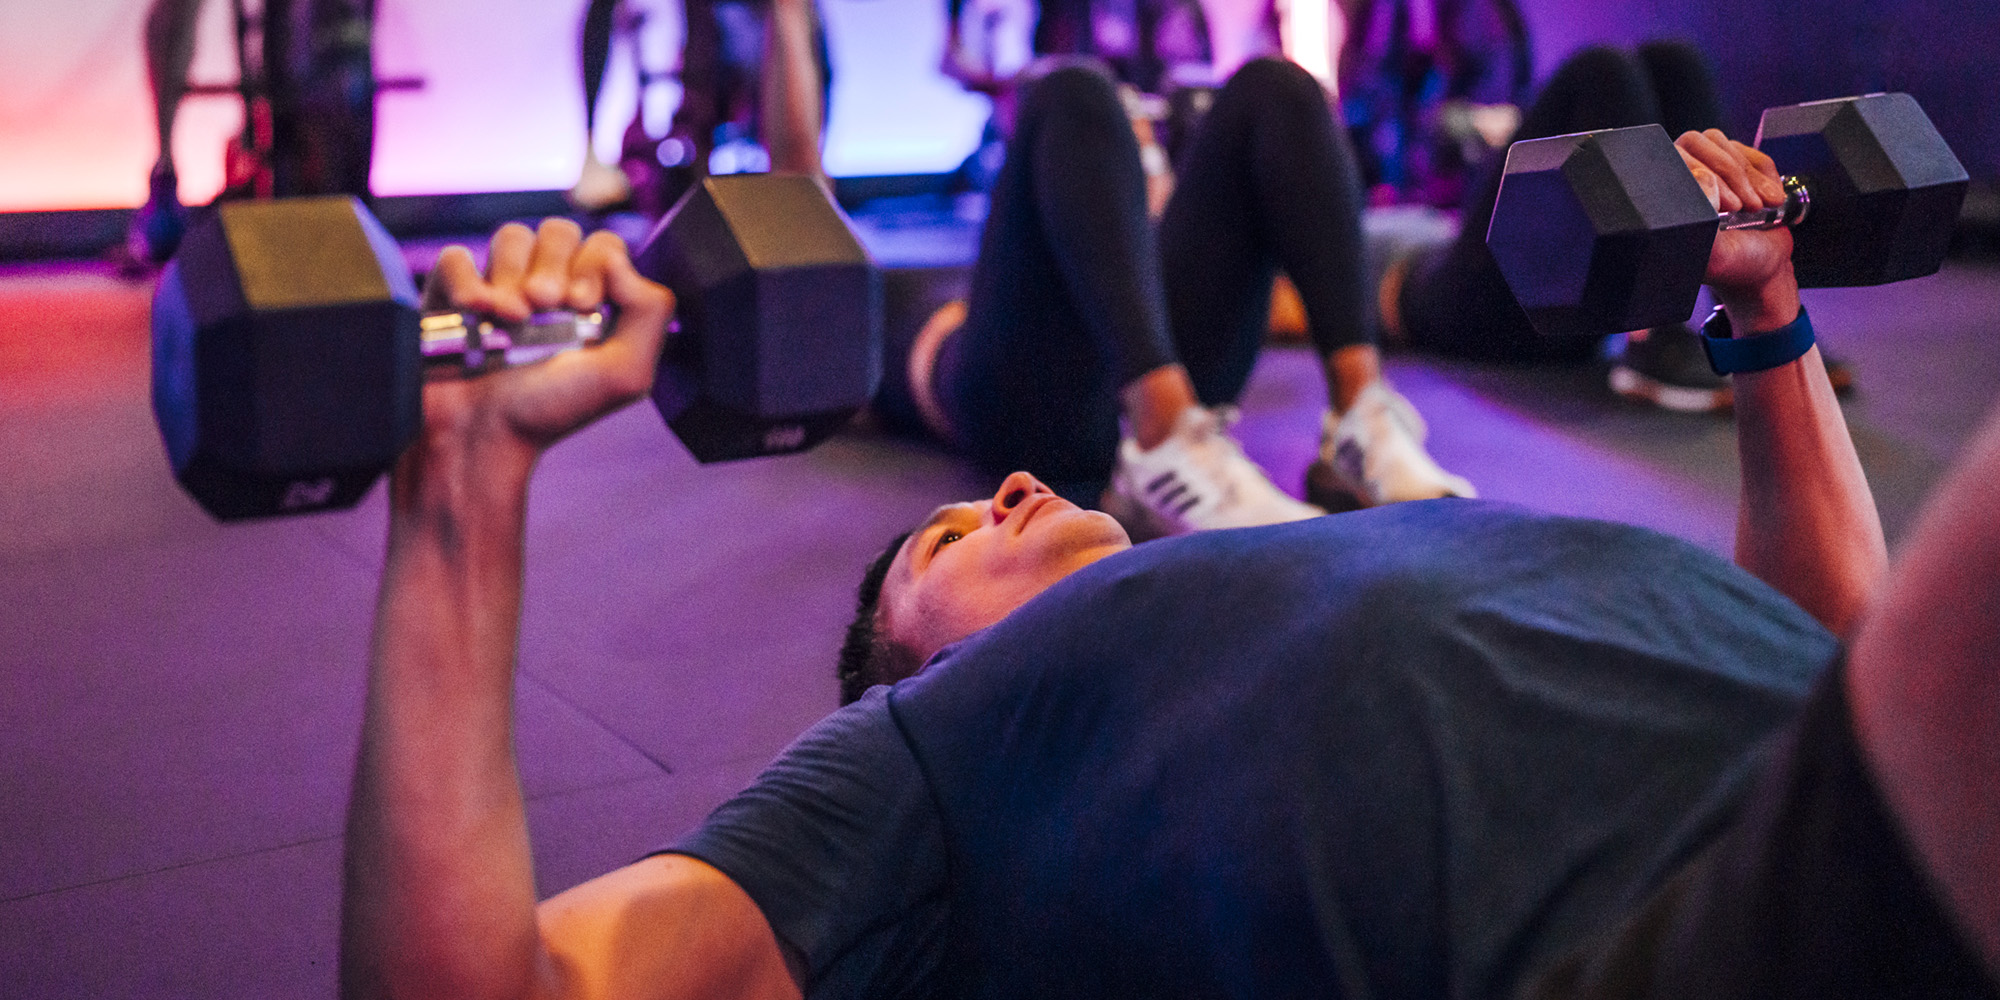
(179,702)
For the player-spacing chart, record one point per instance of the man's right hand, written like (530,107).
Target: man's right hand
(516,413)
(1749,269)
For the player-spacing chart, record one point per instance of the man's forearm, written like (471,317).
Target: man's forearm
(1806,523)
(439,895)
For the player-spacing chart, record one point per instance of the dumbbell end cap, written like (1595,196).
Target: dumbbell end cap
(1886,187)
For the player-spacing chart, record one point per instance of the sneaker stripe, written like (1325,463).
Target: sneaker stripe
(1162,478)
(1186,505)
(1168,497)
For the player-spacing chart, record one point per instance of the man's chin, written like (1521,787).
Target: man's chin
(1082,529)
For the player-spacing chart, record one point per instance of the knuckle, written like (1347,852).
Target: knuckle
(584,293)
(543,291)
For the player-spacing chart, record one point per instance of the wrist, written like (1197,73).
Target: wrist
(462,472)
(1764,308)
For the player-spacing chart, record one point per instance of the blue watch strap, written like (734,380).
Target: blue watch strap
(1730,355)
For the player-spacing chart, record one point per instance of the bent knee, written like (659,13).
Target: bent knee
(1073,87)
(1601,66)
(1275,83)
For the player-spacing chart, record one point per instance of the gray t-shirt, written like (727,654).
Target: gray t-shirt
(1421,750)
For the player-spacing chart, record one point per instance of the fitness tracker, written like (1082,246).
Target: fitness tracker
(1730,355)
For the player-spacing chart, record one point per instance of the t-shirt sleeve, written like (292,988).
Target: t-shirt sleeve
(839,844)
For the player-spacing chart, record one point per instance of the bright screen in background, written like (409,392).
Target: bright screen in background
(501,109)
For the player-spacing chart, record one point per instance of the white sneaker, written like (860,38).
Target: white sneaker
(600,187)
(1196,480)
(1375,453)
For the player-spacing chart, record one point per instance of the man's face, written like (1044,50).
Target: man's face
(970,564)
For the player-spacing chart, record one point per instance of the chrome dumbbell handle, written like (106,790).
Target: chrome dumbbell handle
(1798,201)
(461,343)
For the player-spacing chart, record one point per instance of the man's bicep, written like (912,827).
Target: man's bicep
(666,927)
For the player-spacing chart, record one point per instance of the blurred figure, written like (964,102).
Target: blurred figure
(307,80)
(157,227)
(319,77)
(718,120)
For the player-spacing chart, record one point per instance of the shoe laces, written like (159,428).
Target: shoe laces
(1395,406)
(1219,454)
(1406,413)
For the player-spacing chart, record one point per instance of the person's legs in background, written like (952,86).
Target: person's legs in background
(1683,86)
(1066,330)
(1064,306)
(1268,182)
(340,96)
(1453,300)
(600,186)
(156,229)
(319,77)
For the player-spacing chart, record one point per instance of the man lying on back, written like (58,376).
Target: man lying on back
(1442,748)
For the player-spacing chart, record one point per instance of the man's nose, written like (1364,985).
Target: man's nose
(1015,489)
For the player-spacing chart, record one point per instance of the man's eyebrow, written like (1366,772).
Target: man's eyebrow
(916,533)
(935,516)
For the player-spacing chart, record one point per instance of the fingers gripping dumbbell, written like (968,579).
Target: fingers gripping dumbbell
(1604,231)
(289,350)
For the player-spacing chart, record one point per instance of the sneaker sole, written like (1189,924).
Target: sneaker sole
(1678,398)
(1140,523)
(1324,489)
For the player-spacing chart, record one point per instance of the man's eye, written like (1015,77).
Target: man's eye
(946,539)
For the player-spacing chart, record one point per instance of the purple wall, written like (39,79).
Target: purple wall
(1946,53)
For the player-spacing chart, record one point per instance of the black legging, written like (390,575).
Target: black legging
(1071,299)
(1455,301)
(717,83)
(598,26)
(319,76)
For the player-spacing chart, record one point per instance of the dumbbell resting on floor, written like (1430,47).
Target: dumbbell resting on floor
(1605,231)
(289,349)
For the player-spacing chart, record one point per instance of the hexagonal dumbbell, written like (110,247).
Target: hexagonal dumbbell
(778,316)
(289,351)
(1604,231)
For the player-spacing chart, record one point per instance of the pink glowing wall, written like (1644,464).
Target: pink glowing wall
(501,109)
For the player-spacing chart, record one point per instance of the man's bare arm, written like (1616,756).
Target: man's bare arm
(439,888)
(1806,521)
(1923,683)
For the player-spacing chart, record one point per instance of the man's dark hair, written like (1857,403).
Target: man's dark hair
(868,657)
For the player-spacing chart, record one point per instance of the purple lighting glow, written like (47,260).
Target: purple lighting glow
(501,107)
